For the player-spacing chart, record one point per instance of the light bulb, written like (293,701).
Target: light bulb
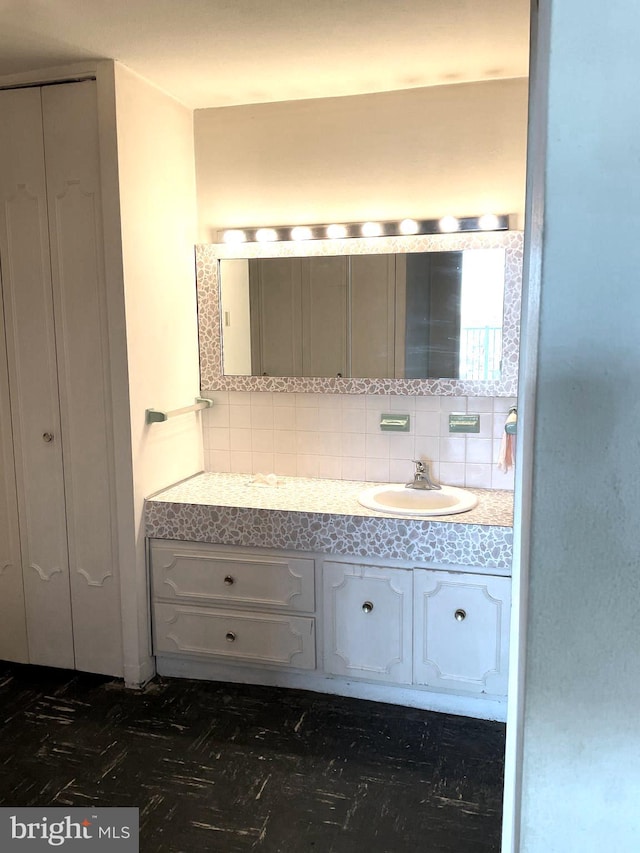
(336,232)
(409,226)
(266,235)
(371,229)
(448,223)
(234,236)
(301,232)
(488,222)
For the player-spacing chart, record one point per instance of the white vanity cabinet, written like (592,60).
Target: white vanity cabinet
(433,638)
(233,604)
(367,622)
(461,631)
(59,588)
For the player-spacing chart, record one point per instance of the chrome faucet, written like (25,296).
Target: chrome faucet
(422,477)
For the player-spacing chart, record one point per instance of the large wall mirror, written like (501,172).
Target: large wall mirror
(435,314)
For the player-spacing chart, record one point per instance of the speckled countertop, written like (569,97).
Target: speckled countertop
(325,516)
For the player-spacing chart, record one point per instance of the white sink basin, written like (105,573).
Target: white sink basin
(399,500)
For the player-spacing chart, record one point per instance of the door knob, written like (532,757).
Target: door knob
(47,436)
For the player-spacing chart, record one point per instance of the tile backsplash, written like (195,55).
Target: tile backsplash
(338,436)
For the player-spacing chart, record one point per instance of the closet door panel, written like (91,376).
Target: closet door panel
(325,296)
(75,225)
(31,351)
(13,624)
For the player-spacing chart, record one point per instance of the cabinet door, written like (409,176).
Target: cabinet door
(372,315)
(461,631)
(324,317)
(276,316)
(33,380)
(77,268)
(13,623)
(367,622)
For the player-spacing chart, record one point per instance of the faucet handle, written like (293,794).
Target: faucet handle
(420,466)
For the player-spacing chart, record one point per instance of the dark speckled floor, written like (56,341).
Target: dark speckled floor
(219,767)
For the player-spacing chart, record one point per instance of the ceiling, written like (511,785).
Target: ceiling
(210,53)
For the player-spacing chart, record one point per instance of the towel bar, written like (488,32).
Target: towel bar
(153,416)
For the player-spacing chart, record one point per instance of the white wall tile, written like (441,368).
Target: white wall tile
(478,476)
(330,467)
(239,417)
(353,420)
(452,449)
(479,404)
(262,463)
(284,417)
(353,468)
(401,470)
(219,460)
(329,444)
(217,415)
(377,470)
(406,405)
(262,441)
(427,423)
(452,473)
(217,438)
(427,404)
(339,436)
(240,461)
(377,446)
(307,465)
(240,439)
(352,444)
(453,404)
(261,417)
(479,451)
(285,464)
(284,441)
(401,445)
(427,447)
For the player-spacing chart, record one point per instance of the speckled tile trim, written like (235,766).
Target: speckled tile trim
(211,374)
(229,509)
(387,538)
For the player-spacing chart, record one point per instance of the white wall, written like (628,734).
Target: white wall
(156,209)
(420,152)
(581,738)
(236,317)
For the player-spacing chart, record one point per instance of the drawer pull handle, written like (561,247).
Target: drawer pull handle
(230,637)
(229,581)
(47,437)
(460,615)
(367,606)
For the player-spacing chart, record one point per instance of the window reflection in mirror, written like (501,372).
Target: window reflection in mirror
(420,315)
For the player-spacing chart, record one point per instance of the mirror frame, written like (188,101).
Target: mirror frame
(212,378)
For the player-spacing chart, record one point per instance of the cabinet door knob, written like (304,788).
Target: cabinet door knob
(460,615)
(367,606)
(230,637)
(47,436)
(229,581)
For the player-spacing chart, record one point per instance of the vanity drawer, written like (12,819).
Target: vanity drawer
(209,574)
(259,638)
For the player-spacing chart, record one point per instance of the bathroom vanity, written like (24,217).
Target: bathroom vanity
(298,585)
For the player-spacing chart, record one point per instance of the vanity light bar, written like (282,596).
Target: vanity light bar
(337,231)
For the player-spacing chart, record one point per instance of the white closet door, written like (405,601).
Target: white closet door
(31,348)
(75,226)
(13,622)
